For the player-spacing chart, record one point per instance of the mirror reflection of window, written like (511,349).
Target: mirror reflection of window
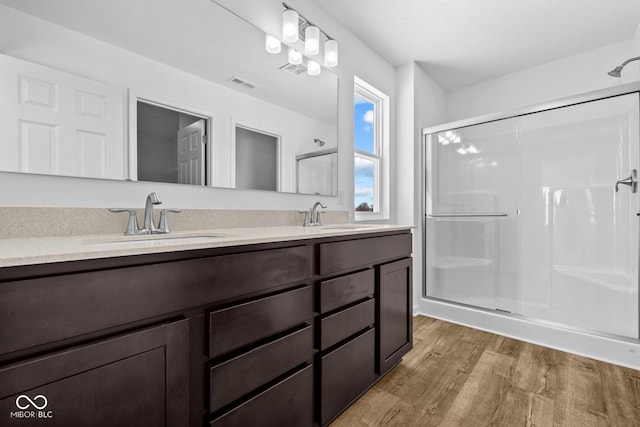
(170,145)
(256,160)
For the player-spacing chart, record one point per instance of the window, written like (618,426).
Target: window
(370,131)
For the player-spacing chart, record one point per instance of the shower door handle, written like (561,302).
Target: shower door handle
(631,181)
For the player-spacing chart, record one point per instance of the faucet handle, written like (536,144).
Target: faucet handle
(132,223)
(307,215)
(163,227)
(319,219)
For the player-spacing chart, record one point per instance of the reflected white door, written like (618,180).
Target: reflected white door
(57,123)
(191,145)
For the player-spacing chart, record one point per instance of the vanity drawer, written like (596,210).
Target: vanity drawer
(349,254)
(346,373)
(236,377)
(108,298)
(234,327)
(287,403)
(347,322)
(344,290)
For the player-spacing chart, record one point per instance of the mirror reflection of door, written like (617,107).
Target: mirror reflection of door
(256,159)
(191,153)
(171,145)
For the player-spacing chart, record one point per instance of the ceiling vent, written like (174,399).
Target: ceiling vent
(296,70)
(242,82)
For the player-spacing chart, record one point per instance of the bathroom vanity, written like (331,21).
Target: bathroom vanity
(287,330)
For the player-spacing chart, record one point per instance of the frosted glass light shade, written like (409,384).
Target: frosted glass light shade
(312,40)
(295,57)
(290,26)
(272,44)
(330,53)
(313,68)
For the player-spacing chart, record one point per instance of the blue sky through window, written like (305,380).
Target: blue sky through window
(363,131)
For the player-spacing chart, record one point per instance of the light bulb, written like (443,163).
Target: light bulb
(295,57)
(272,44)
(312,40)
(313,68)
(330,53)
(290,26)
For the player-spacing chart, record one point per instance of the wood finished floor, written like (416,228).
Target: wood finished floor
(458,376)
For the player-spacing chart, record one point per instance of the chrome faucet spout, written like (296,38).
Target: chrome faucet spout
(152,199)
(315,213)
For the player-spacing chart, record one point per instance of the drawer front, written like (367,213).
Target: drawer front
(347,289)
(343,324)
(234,327)
(108,298)
(346,373)
(349,254)
(288,403)
(235,378)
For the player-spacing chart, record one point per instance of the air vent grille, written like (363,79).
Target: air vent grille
(296,70)
(242,82)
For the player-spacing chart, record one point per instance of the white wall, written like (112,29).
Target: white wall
(356,58)
(565,77)
(420,103)
(115,65)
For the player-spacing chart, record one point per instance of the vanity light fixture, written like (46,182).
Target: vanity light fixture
(272,44)
(290,29)
(311,34)
(295,57)
(313,68)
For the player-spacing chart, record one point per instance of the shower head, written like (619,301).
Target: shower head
(617,72)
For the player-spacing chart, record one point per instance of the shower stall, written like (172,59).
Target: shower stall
(535,214)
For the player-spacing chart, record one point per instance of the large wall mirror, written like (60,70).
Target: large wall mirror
(179,91)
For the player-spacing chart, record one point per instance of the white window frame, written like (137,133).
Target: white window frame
(380,157)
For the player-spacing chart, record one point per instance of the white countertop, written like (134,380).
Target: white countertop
(41,250)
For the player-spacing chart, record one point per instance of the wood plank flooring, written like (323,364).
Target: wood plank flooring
(458,376)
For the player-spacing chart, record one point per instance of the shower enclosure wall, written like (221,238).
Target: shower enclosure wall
(522,214)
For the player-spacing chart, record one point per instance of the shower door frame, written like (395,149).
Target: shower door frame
(611,92)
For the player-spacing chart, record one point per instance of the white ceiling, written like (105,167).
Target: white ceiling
(461,42)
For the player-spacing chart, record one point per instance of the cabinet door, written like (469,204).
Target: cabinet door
(138,379)
(395,313)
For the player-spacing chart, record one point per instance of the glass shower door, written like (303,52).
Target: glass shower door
(471,215)
(579,253)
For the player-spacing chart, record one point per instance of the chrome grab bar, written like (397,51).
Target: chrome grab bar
(466,215)
(631,181)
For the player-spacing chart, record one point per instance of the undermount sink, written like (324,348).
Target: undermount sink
(154,240)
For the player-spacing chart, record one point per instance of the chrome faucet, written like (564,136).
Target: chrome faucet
(152,199)
(148,225)
(312,216)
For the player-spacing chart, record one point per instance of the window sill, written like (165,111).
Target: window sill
(369,216)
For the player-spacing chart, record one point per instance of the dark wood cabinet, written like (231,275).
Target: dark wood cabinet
(365,316)
(283,333)
(394,306)
(96,384)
